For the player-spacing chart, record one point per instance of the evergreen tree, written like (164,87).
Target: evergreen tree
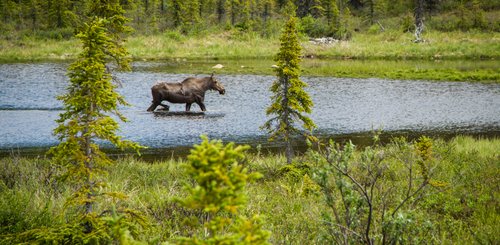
(56,13)
(371,11)
(344,31)
(317,10)
(332,15)
(220,181)
(289,100)
(478,18)
(177,11)
(220,10)
(235,8)
(193,12)
(266,9)
(89,103)
(185,13)
(34,13)
(112,11)
(245,14)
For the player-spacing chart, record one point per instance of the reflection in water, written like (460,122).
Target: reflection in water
(188,114)
(343,108)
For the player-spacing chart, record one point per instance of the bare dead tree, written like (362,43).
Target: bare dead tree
(419,20)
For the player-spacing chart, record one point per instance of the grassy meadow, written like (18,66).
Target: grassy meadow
(238,45)
(461,205)
(447,56)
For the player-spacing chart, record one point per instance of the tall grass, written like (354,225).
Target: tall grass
(241,45)
(225,45)
(447,70)
(464,211)
(398,45)
(38,50)
(457,56)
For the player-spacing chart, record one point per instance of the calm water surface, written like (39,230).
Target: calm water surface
(342,106)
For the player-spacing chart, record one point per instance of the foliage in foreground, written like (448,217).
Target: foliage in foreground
(373,192)
(218,196)
(463,210)
(89,104)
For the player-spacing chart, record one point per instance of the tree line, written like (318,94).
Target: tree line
(317,17)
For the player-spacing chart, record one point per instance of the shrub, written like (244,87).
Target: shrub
(464,17)
(407,23)
(373,192)
(374,29)
(218,195)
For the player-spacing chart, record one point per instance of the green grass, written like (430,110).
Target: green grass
(465,211)
(38,50)
(437,70)
(235,45)
(456,56)
(398,45)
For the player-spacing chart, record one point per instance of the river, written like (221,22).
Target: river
(342,107)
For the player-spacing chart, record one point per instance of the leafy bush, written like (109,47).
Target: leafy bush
(56,34)
(374,29)
(319,27)
(174,35)
(407,23)
(373,192)
(464,17)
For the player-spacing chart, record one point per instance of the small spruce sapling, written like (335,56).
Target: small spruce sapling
(218,193)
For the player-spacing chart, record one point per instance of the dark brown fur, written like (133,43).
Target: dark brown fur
(191,90)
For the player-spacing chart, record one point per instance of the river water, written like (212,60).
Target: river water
(342,106)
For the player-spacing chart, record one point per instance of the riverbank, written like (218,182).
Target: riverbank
(459,207)
(485,71)
(391,54)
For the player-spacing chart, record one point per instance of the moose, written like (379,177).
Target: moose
(191,90)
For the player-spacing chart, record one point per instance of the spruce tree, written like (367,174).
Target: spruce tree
(112,11)
(289,100)
(220,10)
(89,104)
(218,195)
(185,14)
(317,10)
(332,14)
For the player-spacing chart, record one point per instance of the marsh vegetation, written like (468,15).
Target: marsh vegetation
(459,206)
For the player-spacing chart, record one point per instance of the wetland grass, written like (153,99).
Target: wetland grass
(454,56)
(461,212)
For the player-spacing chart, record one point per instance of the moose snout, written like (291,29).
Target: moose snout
(222,91)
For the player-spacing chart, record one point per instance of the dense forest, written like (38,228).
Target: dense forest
(57,19)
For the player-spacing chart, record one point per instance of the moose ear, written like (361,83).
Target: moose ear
(212,75)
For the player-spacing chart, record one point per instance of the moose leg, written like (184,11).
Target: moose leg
(165,107)
(188,106)
(153,106)
(202,106)
(199,101)
(156,100)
